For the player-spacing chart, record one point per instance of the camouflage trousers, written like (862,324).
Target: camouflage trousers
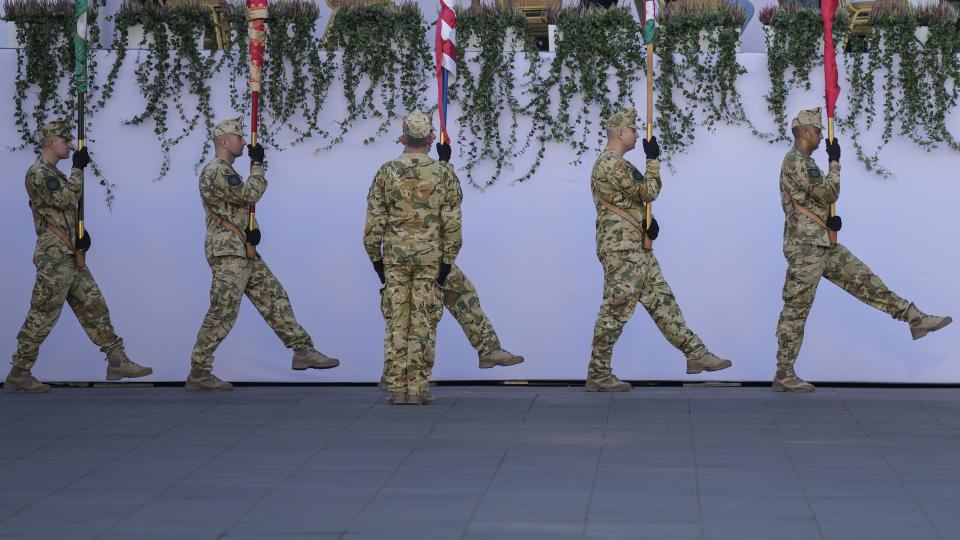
(460,297)
(58,281)
(806,264)
(232,278)
(631,277)
(412,304)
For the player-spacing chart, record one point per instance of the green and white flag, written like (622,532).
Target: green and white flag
(80,46)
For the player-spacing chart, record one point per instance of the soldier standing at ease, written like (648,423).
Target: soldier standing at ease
(463,301)
(412,237)
(806,194)
(53,200)
(631,273)
(228,247)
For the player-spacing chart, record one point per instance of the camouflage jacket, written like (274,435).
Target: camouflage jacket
(223,192)
(53,196)
(413,212)
(802,181)
(623,185)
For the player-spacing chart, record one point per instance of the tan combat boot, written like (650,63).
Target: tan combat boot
(607,383)
(499,357)
(921,323)
(420,399)
(22,379)
(206,381)
(708,362)
(119,366)
(397,398)
(786,380)
(308,357)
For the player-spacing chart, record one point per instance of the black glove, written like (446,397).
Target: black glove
(83,243)
(651,148)
(81,158)
(653,231)
(444,151)
(444,272)
(834,223)
(833,150)
(378,268)
(255,151)
(253,237)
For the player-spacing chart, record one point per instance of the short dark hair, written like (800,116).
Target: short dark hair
(417,142)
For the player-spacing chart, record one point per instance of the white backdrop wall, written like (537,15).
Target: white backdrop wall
(528,247)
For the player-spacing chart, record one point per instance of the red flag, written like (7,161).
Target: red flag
(829,8)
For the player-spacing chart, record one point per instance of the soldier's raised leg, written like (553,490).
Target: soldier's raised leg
(657,298)
(461,298)
(270,298)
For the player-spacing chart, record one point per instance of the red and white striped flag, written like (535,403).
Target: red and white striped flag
(446,61)
(446,39)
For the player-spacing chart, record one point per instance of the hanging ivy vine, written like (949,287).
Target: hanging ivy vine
(384,44)
(171,68)
(593,46)
(296,74)
(45,63)
(919,78)
(696,84)
(486,87)
(794,39)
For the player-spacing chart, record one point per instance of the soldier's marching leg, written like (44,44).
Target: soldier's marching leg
(270,298)
(398,290)
(89,306)
(50,289)
(623,276)
(805,266)
(855,277)
(230,276)
(427,309)
(461,298)
(658,299)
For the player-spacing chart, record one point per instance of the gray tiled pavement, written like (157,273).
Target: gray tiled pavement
(484,462)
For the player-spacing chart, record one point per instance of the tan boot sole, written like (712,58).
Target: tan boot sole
(194,387)
(508,362)
(591,386)
(919,333)
(697,368)
(325,365)
(114,375)
(42,389)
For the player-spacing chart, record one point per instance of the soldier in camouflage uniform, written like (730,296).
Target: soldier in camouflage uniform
(412,237)
(631,273)
(805,195)
(53,199)
(226,199)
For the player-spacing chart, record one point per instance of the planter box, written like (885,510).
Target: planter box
(10,40)
(553,37)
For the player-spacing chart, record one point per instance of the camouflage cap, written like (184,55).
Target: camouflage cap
(60,128)
(625,117)
(233,125)
(809,117)
(417,124)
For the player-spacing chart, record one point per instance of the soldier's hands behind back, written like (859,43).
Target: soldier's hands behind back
(444,272)
(378,268)
(834,223)
(256,153)
(653,231)
(833,150)
(253,237)
(81,158)
(651,148)
(83,243)
(444,151)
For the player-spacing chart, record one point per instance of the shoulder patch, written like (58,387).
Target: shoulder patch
(52,183)
(234,180)
(637,175)
(814,173)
